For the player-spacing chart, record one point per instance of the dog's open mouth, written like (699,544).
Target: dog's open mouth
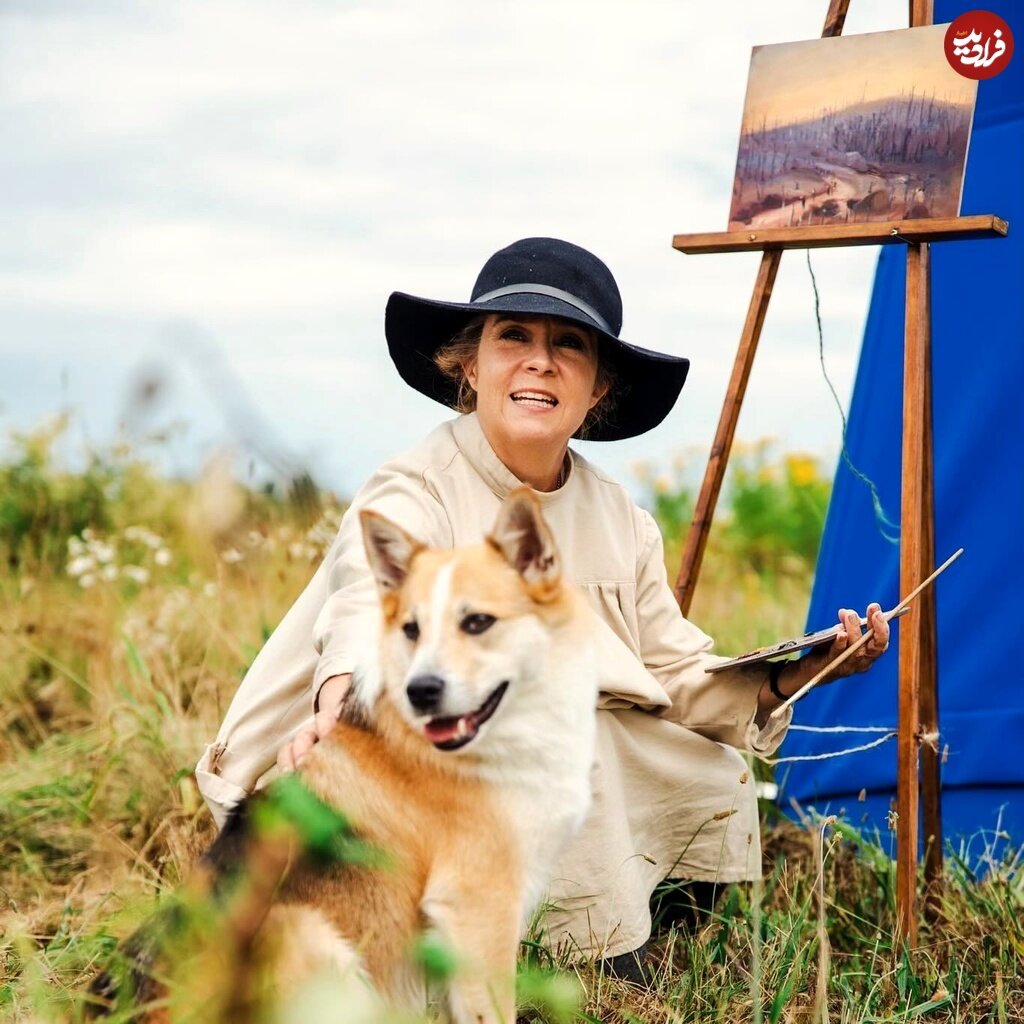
(454,732)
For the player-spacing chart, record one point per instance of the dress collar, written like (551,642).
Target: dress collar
(469,436)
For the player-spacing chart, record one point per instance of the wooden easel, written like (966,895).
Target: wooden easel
(918,693)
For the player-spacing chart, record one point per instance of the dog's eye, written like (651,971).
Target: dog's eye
(477,623)
(412,630)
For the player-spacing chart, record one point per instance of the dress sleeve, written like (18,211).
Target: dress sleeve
(350,614)
(721,705)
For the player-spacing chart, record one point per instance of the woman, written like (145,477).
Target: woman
(531,361)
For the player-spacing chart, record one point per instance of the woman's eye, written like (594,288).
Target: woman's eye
(412,630)
(477,623)
(572,341)
(514,334)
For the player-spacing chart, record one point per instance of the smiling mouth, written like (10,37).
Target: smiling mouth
(534,399)
(458,730)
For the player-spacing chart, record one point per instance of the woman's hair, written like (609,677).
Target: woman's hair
(453,358)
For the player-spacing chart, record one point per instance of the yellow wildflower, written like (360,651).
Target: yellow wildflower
(801,469)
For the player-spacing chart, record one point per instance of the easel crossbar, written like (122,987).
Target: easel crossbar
(825,236)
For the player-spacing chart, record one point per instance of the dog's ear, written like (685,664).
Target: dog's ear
(389,550)
(526,542)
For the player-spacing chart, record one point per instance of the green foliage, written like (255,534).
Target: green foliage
(86,521)
(323,830)
(553,997)
(777,510)
(41,506)
(435,957)
(757,568)
(770,514)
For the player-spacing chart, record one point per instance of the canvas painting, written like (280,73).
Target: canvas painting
(854,128)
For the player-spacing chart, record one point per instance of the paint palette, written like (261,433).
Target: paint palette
(784,648)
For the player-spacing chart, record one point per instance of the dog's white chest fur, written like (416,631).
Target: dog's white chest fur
(542,767)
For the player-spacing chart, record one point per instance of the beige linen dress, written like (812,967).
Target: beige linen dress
(667,772)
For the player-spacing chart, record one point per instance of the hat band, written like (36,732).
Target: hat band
(555,293)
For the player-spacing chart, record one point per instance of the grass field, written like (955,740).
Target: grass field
(130,608)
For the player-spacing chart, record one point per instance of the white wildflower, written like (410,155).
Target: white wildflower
(75,546)
(81,564)
(162,557)
(109,572)
(87,580)
(136,572)
(143,536)
(321,535)
(231,555)
(210,589)
(102,552)
(296,550)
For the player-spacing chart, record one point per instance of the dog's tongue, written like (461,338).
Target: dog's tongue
(441,730)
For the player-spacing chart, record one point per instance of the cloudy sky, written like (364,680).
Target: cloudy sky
(208,201)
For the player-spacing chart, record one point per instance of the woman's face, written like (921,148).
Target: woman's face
(535,379)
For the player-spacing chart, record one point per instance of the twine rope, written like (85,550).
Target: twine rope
(928,739)
(835,753)
(841,728)
(882,521)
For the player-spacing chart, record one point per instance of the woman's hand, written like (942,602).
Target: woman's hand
(862,659)
(797,673)
(328,708)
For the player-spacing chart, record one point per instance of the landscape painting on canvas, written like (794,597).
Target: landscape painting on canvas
(853,128)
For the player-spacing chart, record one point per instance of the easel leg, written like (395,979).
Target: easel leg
(915,532)
(931,802)
(697,537)
(922,13)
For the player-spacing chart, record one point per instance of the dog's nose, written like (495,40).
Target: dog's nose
(425,693)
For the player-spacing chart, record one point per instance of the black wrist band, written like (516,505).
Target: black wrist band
(774,671)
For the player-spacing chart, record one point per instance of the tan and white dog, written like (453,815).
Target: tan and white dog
(465,756)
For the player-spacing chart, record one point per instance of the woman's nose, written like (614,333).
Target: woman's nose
(541,356)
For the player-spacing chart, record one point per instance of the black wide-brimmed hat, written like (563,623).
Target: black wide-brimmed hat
(540,277)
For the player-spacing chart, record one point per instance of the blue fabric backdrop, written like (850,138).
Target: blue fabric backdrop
(978,387)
